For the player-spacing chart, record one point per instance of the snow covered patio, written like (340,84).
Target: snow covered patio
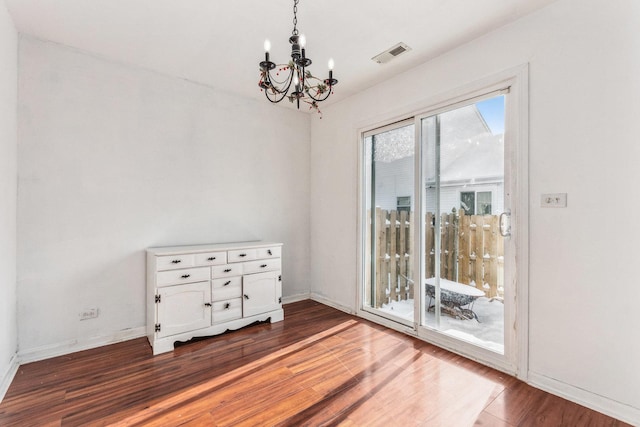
(486,332)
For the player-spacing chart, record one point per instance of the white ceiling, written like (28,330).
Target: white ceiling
(219,43)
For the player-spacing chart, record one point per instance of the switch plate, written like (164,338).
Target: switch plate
(90,313)
(553,200)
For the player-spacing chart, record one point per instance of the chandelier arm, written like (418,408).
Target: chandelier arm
(274,100)
(328,92)
(276,95)
(320,98)
(273,91)
(276,88)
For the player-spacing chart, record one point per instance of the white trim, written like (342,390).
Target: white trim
(376,313)
(360,234)
(481,355)
(613,408)
(295,298)
(72,346)
(386,128)
(388,322)
(521,229)
(8,376)
(326,301)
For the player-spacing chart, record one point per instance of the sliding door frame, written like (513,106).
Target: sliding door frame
(516,359)
(364,311)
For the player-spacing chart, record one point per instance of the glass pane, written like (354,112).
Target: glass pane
(389,184)
(463,249)
(468,201)
(484,203)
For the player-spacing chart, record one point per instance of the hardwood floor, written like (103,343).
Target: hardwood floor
(318,367)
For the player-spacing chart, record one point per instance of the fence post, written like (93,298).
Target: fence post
(404,259)
(500,269)
(490,254)
(429,246)
(411,259)
(370,257)
(393,255)
(478,274)
(463,247)
(381,252)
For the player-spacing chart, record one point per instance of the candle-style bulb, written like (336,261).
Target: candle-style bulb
(331,64)
(302,40)
(267,45)
(295,79)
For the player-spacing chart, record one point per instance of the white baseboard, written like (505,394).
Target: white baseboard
(324,300)
(72,346)
(615,409)
(295,298)
(8,375)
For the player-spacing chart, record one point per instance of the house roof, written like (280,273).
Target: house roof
(468,148)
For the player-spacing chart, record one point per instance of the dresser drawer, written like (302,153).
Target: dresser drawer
(273,252)
(242,255)
(174,261)
(185,275)
(211,258)
(226,288)
(224,311)
(261,266)
(226,270)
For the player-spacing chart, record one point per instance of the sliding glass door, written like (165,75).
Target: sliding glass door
(464,202)
(437,256)
(389,157)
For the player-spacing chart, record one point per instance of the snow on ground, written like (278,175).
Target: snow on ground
(487,333)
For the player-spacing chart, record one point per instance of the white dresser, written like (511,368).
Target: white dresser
(202,290)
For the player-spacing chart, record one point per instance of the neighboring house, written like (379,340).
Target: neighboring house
(471,170)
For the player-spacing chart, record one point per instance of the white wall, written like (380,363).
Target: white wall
(584,61)
(8,175)
(114,159)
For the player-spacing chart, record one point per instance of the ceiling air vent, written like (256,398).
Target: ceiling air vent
(391,53)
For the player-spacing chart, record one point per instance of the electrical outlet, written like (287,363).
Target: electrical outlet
(90,313)
(555,200)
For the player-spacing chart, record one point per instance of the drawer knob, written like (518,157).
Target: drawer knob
(227,283)
(246,296)
(211,258)
(269,251)
(227,270)
(263,265)
(226,306)
(207,304)
(176,261)
(242,255)
(185,276)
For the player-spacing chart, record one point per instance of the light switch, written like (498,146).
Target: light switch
(555,200)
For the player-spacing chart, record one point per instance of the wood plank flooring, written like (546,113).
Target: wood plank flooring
(318,367)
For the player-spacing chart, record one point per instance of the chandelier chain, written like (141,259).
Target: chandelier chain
(295,17)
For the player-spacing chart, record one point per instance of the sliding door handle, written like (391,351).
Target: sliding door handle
(505,223)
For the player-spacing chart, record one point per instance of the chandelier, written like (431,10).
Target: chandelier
(306,88)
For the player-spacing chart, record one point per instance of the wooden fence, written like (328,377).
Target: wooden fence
(394,258)
(472,252)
